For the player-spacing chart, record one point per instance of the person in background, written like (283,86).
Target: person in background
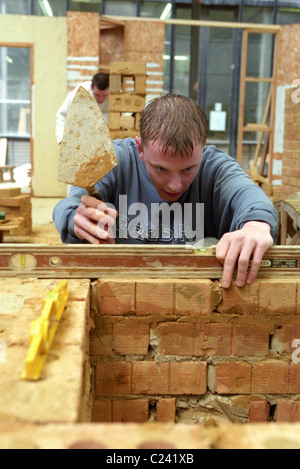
(98,88)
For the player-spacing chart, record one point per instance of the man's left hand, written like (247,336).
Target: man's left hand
(238,247)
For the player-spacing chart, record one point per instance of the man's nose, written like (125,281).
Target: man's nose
(175,183)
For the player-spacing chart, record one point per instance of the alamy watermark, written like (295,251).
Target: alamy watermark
(296,353)
(2,351)
(156,222)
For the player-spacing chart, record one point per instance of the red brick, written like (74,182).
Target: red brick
(277,297)
(102,411)
(131,337)
(240,300)
(115,296)
(259,411)
(101,340)
(154,296)
(283,338)
(213,339)
(288,411)
(113,378)
(193,297)
(176,338)
(150,378)
(232,378)
(130,410)
(294,383)
(188,378)
(250,341)
(166,410)
(270,377)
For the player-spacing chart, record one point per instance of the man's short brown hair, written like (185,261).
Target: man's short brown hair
(176,122)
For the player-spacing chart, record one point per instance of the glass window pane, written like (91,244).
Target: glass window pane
(153,9)
(182,54)
(219,73)
(15,88)
(50,7)
(93,6)
(17,7)
(120,8)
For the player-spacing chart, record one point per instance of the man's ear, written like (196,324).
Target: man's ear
(139,147)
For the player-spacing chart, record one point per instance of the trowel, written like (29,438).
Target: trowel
(87,153)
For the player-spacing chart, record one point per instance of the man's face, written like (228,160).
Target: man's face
(170,175)
(100,95)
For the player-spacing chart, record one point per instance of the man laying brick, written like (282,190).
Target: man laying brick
(170,169)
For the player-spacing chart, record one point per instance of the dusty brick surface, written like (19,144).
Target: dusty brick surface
(188,341)
(63,373)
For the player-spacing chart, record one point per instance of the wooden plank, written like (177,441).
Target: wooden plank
(256,128)
(262,28)
(273,108)
(259,80)
(125,261)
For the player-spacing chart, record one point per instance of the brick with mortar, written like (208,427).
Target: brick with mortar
(288,411)
(213,339)
(113,378)
(166,410)
(259,411)
(176,338)
(240,300)
(270,377)
(230,378)
(188,378)
(130,410)
(284,337)
(193,297)
(277,297)
(131,337)
(250,341)
(115,296)
(101,339)
(102,411)
(150,378)
(294,378)
(154,297)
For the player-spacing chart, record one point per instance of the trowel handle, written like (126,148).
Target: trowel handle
(94,193)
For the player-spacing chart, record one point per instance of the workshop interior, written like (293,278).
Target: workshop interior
(134,346)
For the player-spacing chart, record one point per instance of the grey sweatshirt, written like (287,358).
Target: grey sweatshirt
(220,199)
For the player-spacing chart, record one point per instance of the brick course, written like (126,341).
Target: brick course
(190,351)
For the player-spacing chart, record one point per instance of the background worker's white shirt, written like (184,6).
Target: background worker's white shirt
(62,113)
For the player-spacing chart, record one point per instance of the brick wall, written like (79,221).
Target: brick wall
(186,351)
(291,153)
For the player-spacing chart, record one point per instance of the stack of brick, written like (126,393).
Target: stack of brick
(187,351)
(127,98)
(291,153)
(17,208)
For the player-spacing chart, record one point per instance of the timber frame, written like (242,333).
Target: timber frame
(123,261)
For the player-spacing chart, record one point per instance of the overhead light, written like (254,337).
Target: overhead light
(166,13)
(9,60)
(46,8)
(178,58)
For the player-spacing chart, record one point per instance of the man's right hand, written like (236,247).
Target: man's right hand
(95,222)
